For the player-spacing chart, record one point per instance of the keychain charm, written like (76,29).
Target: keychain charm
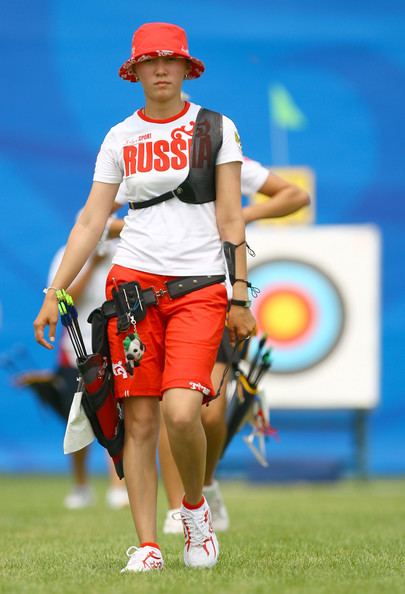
(134,350)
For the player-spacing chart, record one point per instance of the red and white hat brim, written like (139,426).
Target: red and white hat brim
(196,70)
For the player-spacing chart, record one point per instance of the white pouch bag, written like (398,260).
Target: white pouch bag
(79,432)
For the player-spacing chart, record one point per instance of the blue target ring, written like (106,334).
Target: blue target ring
(304,287)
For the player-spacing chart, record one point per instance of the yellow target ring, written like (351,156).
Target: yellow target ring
(285,315)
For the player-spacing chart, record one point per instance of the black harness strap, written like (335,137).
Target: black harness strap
(199,185)
(162,198)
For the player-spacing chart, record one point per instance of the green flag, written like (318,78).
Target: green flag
(283,110)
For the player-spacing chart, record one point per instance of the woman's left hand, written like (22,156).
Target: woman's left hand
(240,323)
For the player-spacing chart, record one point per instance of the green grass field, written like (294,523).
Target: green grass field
(344,538)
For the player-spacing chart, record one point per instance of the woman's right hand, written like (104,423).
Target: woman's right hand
(241,323)
(48,316)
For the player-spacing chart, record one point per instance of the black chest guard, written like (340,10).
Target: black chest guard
(199,185)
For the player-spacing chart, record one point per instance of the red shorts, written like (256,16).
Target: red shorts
(181,337)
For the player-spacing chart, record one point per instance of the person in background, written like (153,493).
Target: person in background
(284,198)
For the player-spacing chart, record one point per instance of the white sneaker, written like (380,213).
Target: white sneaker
(117,497)
(144,558)
(173,523)
(219,513)
(201,547)
(79,497)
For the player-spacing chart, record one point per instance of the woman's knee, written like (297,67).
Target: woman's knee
(141,420)
(180,420)
(181,410)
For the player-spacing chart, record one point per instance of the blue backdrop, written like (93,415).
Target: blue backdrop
(344,66)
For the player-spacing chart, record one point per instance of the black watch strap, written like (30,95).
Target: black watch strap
(240,302)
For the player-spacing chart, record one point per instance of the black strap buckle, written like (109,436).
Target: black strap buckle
(161,293)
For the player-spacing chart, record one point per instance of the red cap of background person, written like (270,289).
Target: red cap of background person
(153,40)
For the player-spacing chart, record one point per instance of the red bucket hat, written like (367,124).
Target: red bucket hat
(154,40)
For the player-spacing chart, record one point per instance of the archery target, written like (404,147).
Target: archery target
(319,304)
(300,309)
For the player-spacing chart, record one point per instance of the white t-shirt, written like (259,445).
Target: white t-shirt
(152,157)
(253,176)
(92,297)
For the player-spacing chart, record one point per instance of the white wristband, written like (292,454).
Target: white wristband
(48,289)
